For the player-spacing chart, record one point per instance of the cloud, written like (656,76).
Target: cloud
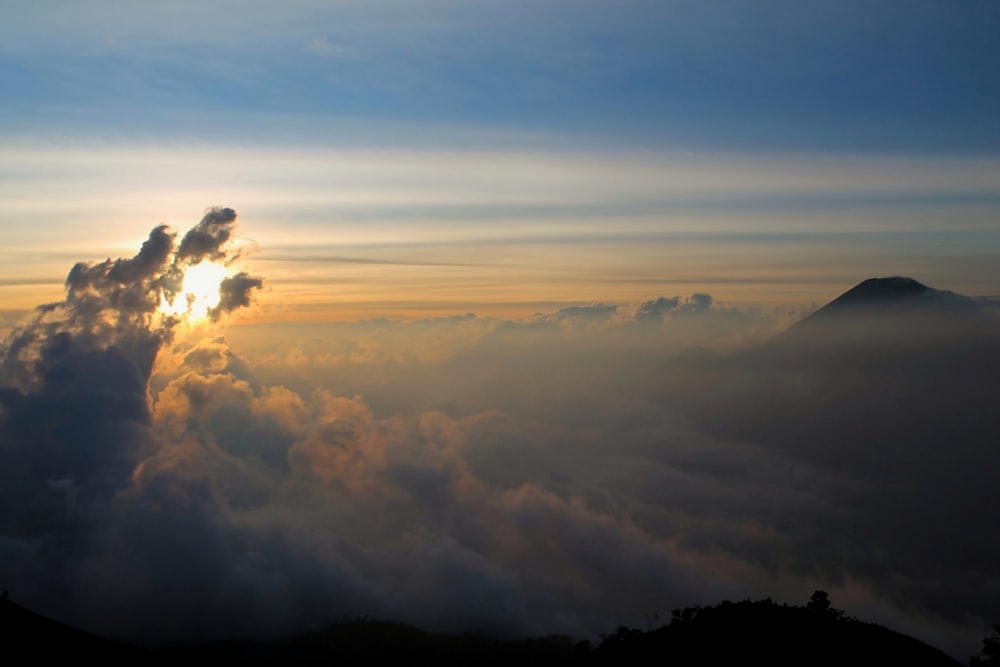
(204,240)
(235,292)
(698,302)
(75,418)
(567,473)
(151,258)
(656,309)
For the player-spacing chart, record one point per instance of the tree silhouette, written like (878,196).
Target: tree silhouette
(990,654)
(819,603)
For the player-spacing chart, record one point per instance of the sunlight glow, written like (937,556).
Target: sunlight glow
(199,292)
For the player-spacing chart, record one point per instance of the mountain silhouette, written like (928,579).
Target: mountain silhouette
(894,293)
(897,310)
(887,372)
(886,399)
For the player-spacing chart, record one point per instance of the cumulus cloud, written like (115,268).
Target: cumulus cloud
(656,309)
(698,302)
(75,418)
(206,239)
(569,473)
(235,292)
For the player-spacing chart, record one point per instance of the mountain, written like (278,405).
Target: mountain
(880,412)
(889,375)
(897,310)
(895,294)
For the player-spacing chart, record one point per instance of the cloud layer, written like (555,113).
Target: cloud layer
(572,472)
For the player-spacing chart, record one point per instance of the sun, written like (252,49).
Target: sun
(199,292)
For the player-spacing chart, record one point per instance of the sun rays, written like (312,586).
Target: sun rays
(198,295)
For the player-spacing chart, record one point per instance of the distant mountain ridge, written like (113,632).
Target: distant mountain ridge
(884,291)
(903,359)
(890,306)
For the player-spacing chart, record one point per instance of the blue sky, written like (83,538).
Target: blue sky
(835,75)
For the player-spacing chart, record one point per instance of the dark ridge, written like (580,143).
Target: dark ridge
(46,639)
(764,632)
(374,642)
(744,632)
(894,295)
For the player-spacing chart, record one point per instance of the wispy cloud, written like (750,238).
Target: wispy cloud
(528,216)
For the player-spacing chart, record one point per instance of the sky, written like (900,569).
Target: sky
(534,153)
(467,233)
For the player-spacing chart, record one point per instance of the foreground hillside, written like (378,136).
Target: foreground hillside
(729,633)
(765,632)
(29,634)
